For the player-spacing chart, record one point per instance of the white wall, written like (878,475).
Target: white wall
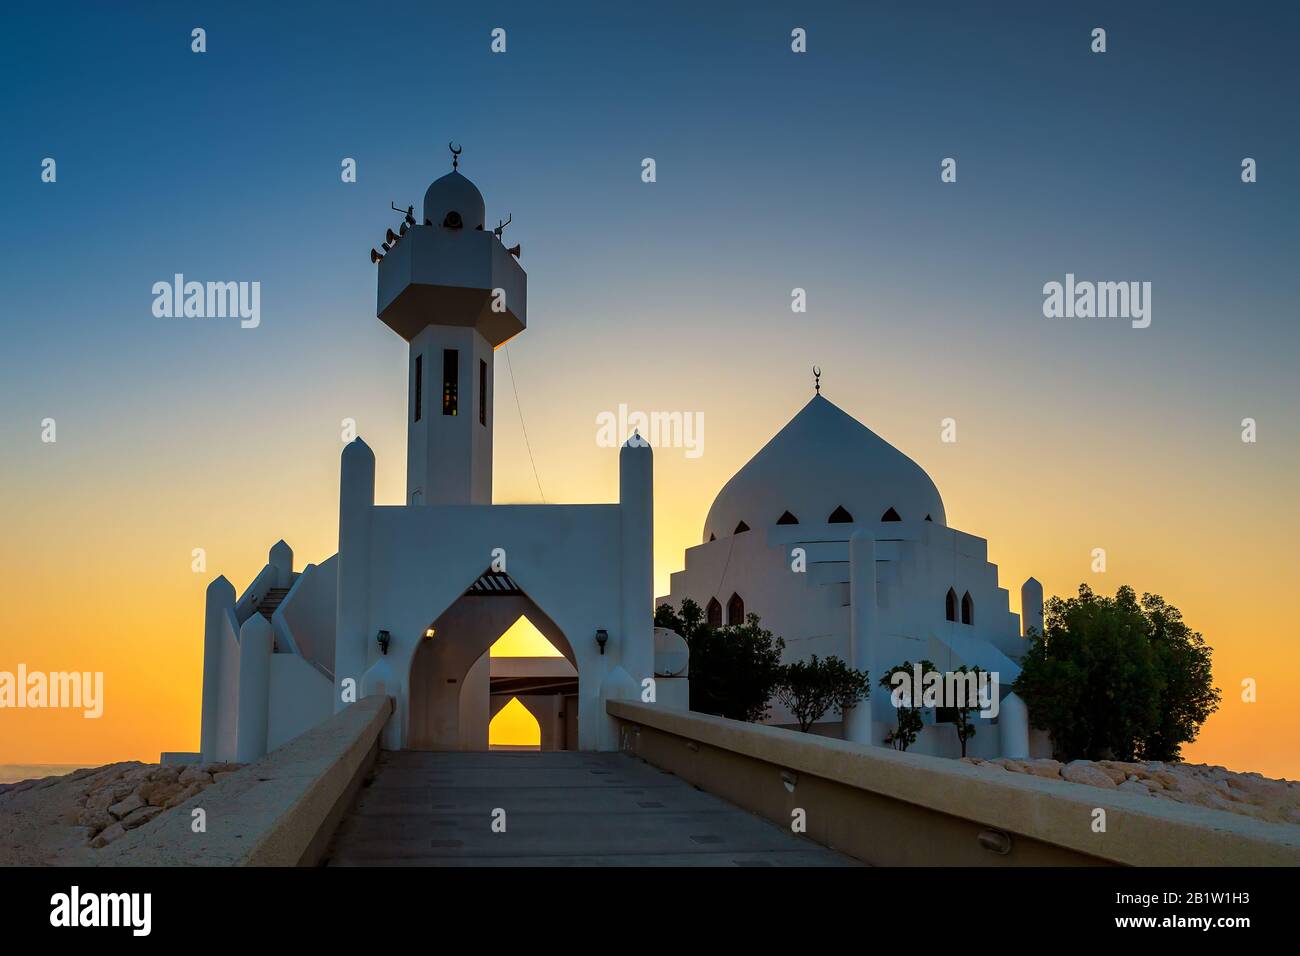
(301,697)
(565,557)
(916,563)
(228,693)
(309,610)
(449,457)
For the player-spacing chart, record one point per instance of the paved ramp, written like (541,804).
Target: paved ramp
(561,809)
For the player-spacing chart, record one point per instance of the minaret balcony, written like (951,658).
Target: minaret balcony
(439,276)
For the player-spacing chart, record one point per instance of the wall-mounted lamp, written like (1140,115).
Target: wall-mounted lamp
(384,638)
(428,633)
(602,638)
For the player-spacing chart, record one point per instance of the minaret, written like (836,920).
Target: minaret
(454,292)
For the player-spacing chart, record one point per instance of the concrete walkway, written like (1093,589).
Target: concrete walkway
(561,809)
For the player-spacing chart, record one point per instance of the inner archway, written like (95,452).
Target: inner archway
(514,728)
(491,647)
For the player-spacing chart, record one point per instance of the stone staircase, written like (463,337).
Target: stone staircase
(266,607)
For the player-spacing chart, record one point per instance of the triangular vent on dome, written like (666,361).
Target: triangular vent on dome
(890,515)
(840,516)
(787,518)
(741,527)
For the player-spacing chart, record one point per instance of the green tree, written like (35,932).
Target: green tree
(962,709)
(687,623)
(909,710)
(1183,660)
(734,669)
(1116,677)
(808,689)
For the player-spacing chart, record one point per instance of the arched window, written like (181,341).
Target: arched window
(890,515)
(735,610)
(950,605)
(787,518)
(967,609)
(741,527)
(713,613)
(840,516)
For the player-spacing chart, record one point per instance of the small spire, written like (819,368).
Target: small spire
(455,155)
(817,379)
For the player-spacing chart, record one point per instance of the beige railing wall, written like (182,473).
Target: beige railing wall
(900,809)
(281,810)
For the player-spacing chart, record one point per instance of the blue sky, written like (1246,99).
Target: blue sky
(823,167)
(774,171)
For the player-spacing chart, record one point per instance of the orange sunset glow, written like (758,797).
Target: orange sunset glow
(99,569)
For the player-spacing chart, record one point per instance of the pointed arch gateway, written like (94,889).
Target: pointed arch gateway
(456,686)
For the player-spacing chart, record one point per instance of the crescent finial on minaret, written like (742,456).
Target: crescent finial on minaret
(455,154)
(817,379)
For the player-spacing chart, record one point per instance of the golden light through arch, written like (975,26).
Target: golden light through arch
(523,639)
(514,728)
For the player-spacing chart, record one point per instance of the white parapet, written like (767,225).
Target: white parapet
(1031,607)
(220,602)
(356,502)
(1013,728)
(255,639)
(635,641)
(862,624)
(281,558)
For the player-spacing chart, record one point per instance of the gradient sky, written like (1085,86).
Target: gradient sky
(775,170)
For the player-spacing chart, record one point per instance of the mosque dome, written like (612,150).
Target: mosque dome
(454,194)
(824,466)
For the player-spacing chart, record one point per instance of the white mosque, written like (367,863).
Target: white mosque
(418,593)
(840,544)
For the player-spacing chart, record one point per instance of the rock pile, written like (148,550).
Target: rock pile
(122,797)
(1250,794)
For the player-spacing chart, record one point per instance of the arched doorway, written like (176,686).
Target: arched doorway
(457,685)
(514,728)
